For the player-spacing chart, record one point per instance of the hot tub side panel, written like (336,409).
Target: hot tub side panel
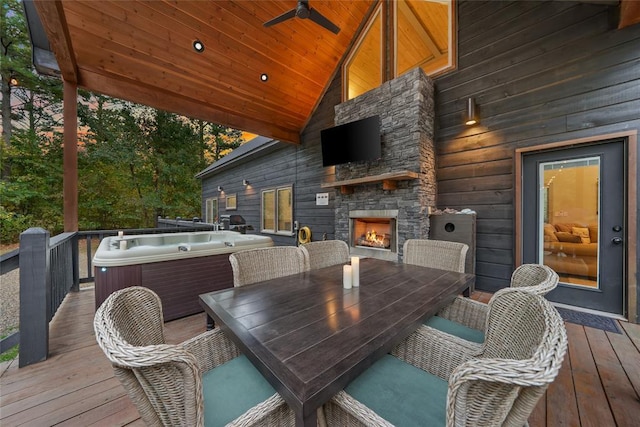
(111,279)
(178,283)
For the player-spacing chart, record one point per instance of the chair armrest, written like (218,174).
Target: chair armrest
(467,312)
(496,388)
(435,352)
(211,349)
(352,413)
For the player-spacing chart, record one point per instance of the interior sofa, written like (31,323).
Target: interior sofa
(572,248)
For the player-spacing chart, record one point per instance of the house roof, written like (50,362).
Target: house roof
(259,144)
(142,51)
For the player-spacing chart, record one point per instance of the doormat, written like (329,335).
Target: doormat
(590,320)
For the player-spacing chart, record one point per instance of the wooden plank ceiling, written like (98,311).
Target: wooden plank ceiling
(142,51)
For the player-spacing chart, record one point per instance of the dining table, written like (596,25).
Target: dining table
(310,337)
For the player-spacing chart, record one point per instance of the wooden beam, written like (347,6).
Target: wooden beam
(420,30)
(51,14)
(140,93)
(70,159)
(389,181)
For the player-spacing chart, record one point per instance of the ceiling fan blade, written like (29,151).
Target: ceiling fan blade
(278,19)
(319,19)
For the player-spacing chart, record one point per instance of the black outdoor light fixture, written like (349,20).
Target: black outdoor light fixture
(220,188)
(198,46)
(471,114)
(264,77)
(245,182)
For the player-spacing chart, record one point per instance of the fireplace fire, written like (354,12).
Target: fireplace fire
(373,233)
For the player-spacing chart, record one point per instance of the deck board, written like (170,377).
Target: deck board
(599,383)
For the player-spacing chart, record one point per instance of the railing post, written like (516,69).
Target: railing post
(75,257)
(35,294)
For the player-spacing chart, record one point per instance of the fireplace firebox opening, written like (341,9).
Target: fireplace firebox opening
(374,233)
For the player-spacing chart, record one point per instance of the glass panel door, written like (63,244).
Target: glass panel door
(573,220)
(569,217)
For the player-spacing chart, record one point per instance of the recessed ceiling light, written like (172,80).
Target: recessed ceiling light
(198,46)
(264,77)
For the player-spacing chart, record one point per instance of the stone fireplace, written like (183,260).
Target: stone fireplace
(395,209)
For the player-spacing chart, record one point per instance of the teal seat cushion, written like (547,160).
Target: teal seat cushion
(401,393)
(455,328)
(231,389)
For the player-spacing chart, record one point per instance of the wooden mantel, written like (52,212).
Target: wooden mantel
(389,181)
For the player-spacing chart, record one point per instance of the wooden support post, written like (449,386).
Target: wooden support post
(35,296)
(70,177)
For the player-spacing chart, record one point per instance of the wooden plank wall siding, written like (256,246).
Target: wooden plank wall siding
(540,72)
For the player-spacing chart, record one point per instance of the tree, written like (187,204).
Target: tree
(135,162)
(15,57)
(30,151)
(217,141)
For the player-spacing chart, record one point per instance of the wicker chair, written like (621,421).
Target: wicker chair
(435,254)
(324,253)
(203,380)
(467,318)
(255,265)
(434,379)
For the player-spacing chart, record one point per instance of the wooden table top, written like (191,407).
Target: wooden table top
(310,337)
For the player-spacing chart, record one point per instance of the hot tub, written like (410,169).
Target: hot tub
(177,266)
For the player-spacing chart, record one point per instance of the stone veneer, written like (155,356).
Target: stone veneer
(406,109)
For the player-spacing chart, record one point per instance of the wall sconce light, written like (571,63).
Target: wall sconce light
(220,188)
(471,113)
(245,182)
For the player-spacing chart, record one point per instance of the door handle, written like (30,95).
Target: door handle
(616,240)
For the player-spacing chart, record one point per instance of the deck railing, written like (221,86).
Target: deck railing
(49,270)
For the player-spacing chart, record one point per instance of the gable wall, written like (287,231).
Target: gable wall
(540,72)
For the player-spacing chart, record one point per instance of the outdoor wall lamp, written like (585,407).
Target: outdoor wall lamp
(220,188)
(245,182)
(471,113)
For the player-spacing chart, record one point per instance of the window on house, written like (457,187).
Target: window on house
(211,210)
(277,211)
(231,201)
(363,69)
(421,34)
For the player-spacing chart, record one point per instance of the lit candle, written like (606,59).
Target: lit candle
(123,245)
(346,276)
(355,271)
(120,233)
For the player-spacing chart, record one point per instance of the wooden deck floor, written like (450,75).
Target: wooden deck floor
(599,384)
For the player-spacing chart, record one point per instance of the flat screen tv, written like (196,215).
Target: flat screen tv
(351,142)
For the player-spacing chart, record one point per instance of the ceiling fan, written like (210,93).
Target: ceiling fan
(303,11)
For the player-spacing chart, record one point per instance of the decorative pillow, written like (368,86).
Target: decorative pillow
(593,233)
(563,236)
(582,232)
(549,233)
(563,227)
